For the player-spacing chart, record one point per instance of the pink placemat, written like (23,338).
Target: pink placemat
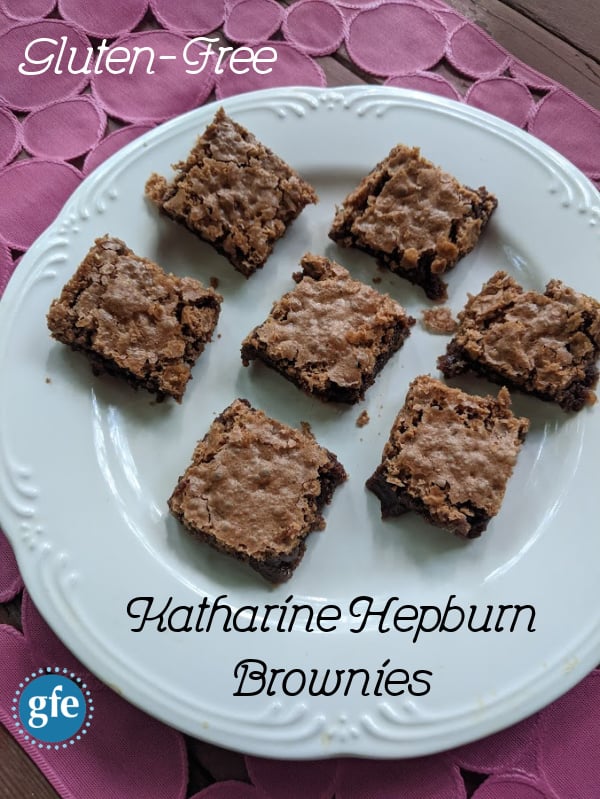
(54,130)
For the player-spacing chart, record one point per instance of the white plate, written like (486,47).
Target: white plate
(87,464)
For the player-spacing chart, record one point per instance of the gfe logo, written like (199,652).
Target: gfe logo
(52,707)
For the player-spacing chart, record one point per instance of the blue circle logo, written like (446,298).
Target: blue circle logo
(52,707)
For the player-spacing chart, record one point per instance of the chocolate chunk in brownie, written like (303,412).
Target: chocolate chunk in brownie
(417,220)
(255,489)
(449,457)
(543,344)
(331,335)
(234,193)
(134,320)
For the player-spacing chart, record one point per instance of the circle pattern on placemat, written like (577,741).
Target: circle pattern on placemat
(443,780)
(6,22)
(189,16)
(292,68)
(147,97)
(111,143)
(252,21)
(518,786)
(450,19)
(566,123)
(570,740)
(104,19)
(435,5)
(64,130)
(315,26)
(475,54)
(425,82)
(358,4)
(396,38)
(27,10)
(10,136)
(504,97)
(530,77)
(38,190)
(20,92)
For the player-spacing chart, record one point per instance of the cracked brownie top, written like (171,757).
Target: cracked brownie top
(331,332)
(449,456)
(255,489)
(233,192)
(133,319)
(415,218)
(545,344)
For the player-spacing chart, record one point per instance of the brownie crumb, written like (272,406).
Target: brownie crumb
(377,280)
(214,282)
(133,320)
(255,489)
(439,320)
(48,380)
(449,457)
(363,419)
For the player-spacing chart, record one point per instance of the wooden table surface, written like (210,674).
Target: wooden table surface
(561,39)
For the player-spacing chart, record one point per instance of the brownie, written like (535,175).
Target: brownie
(255,489)
(417,220)
(449,457)
(234,193)
(543,344)
(331,335)
(134,320)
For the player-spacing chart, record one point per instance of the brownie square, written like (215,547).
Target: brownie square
(416,219)
(255,489)
(234,193)
(543,344)
(133,320)
(331,335)
(449,457)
